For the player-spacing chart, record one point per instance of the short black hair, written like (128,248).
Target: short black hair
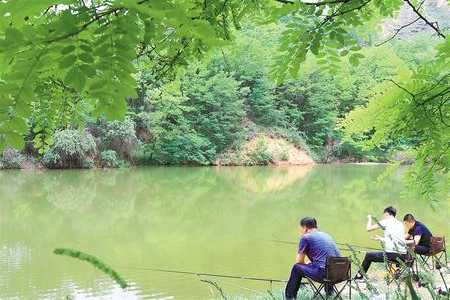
(390,210)
(308,222)
(409,218)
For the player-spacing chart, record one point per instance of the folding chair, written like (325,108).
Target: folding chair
(437,254)
(338,269)
(397,269)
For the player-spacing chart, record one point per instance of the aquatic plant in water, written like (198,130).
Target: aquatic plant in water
(93,261)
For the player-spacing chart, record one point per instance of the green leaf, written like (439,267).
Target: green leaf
(68,49)
(86,57)
(14,140)
(354,58)
(86,48)
(76,79)
(97,84)
(67,61)
(13,35)
(88,70)
(315,45)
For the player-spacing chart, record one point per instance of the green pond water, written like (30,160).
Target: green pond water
(217,220)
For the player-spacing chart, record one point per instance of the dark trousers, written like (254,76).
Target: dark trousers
(379,257)
(298,272)
(419,249)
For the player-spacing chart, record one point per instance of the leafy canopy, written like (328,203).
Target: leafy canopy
(412,107)
(89,46)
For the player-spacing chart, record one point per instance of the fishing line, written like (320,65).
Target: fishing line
(207,274)
(223,282)
(340,244)
(294,243)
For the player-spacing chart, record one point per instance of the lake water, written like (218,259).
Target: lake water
(217,220)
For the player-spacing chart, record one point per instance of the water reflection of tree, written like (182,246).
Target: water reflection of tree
(70,191)
(266,179)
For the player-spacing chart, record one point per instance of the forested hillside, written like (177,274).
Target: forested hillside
(208,110)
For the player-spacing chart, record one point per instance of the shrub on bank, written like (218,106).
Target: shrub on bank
(119,136)
(109,159)
(71,149)
(11,159)
(179,148)
(284,155)
(347,151)
(261,154)
(143,155)
(296,138)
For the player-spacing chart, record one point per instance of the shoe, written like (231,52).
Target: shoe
(358,278)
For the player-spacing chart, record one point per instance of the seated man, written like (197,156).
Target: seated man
(393,241)
(315,245)
(418,234)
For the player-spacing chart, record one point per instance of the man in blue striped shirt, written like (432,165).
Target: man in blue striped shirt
(317,246)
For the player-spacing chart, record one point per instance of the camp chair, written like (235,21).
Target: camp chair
(397,269)
(437,254)
(338,269)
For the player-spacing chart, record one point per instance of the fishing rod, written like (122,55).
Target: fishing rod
(361,248)
(271,280)
(378,222)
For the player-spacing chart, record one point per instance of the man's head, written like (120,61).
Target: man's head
(389,212)
(409,221)
(307,224)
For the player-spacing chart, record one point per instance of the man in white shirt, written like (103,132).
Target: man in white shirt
(393,241)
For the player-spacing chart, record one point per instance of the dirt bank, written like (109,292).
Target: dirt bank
(264,149)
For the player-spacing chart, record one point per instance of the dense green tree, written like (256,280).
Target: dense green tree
(216,104)
(195,118)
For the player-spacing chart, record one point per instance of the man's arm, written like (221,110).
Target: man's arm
(300,259)
(417,239)
(370,226)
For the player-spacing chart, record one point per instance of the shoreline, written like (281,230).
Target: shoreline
(280,166)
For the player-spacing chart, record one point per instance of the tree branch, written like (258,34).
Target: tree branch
(438,83)
(404,89)
(432,25)
(285,1)
(351,9)
(442,93)
(85,25)
(97,16)
(338,12)
(441,115)
(397,31)
(321,3)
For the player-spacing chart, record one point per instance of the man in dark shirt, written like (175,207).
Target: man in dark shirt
(418,234)
(315,245)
